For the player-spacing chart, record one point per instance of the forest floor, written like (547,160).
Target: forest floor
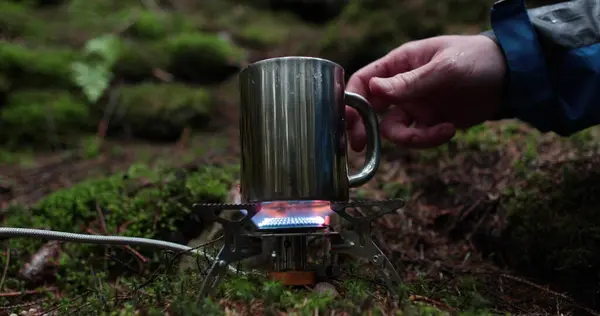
(503,219)
(447,242)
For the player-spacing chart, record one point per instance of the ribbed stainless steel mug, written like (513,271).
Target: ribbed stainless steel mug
(293,133)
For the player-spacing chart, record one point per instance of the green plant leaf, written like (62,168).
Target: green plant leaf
(93,79)
(107,47)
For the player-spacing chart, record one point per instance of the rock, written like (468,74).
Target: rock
(326,288)
(151,25)
(36,67)
(37,116)
(16,20)
(197,57)
(203,58)
(162,111)
(138,61)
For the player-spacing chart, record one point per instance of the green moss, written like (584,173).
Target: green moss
(139,59)
(11,157)
(144,202)
(30,114)
(151,25)
(16,20)
(478,137)
(36,67)
(264,35)
(202,58)
(162,111)
(191,57)
(553,231)
(261,30)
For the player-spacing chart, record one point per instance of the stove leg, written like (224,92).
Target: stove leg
(237,246)
(359,243)
(215,275)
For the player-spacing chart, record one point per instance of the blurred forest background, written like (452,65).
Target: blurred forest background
(128,108)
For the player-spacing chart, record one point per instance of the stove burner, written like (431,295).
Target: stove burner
(244,238)
(292,214)
(291,222)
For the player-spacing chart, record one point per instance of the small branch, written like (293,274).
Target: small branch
(5,268)
(13,294)
(184,139)
(419,298)
(113,101)
(101,218)
(138,255)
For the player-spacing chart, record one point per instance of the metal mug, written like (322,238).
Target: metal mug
(293,131)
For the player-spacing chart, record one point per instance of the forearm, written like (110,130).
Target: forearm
(553,61)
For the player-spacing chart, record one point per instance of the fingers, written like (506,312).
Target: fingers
(360,83)
(412,84)
(407,60)
(355,129)
(386,66)
(395,128)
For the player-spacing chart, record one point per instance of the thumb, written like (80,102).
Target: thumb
(408,85)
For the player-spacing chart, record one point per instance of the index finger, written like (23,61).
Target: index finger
(394,62)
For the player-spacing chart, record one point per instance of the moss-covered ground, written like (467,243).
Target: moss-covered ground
(501,220)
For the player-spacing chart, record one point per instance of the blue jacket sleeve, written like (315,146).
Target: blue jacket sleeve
(553,63)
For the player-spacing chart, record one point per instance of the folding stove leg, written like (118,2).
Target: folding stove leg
(359,242)
(237,246)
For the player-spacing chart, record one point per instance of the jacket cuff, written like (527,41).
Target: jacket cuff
(490,34)
(526,79)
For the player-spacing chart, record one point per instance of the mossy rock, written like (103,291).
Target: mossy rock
(16,20)
(150,25)
(142,202)
(190,57)
(36,67)
(162,111)
(262,30)
(34,117)
(203,58)
(552,229)
(138,60)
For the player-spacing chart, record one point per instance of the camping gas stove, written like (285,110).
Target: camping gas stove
(290,224)
(294,174)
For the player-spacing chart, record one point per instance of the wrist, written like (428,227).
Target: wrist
(504,110)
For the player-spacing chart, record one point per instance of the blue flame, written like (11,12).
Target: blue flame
(292,214)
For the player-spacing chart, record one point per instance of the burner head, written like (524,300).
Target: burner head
(293,215)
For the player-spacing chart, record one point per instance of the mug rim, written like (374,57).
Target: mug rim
(272,59)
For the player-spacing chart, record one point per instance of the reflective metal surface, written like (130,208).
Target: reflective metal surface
(293,134)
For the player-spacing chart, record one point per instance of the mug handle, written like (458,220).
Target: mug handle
(364,109)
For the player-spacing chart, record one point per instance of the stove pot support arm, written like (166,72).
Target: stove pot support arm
(369,118)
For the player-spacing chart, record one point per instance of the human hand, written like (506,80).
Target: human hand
(436,85)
